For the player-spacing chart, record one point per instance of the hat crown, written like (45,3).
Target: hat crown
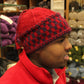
(30,18)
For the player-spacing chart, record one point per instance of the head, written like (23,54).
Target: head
(44,36)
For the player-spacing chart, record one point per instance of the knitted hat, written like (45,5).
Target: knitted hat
(38,27)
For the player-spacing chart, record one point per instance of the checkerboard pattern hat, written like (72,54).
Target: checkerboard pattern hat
(38,27)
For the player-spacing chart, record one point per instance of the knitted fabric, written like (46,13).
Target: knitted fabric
(38,27)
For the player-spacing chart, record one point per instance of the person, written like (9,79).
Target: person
(43,34)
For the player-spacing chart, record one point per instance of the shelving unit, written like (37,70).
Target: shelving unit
(76,54)
(9,13)
(20,3)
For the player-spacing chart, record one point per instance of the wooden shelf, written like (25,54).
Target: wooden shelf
(19,11)
(78,28)
(12,45)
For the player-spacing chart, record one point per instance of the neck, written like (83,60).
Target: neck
(37,64)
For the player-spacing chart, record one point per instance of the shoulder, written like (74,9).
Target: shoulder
(10,75)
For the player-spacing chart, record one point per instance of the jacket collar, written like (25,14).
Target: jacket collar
(39,73)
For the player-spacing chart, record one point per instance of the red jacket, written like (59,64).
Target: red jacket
(25,72)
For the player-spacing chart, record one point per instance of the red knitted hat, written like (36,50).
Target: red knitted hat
(39,26)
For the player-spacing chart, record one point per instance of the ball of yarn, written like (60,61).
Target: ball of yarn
(80,42)
(4,28)
(81,15)
(74,35)
(4,36)
(5,42)
(72,23)
(14,25)
(11,35)
(12,30)
(8,31)
(73,15)
(6,23)
(13,38)
(72,41)
(80,24)
(15,18)
(81,34)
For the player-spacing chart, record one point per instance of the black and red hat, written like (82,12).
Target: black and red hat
(38,27)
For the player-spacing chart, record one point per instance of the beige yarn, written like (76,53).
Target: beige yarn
(72,23)
(80,42)
(80,24)
(73,35)
(73,15)
(72,41)
(81,34)
(81,16)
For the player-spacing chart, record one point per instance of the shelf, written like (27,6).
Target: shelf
(12,45)
(11,8)
(78,28)
(12,5)
(18,11)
